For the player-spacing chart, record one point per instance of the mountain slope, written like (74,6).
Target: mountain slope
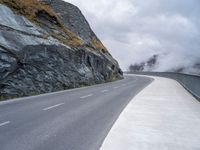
(47,46)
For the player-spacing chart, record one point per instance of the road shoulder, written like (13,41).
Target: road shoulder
(162,116)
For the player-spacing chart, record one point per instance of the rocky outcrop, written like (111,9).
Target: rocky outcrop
(73,19)
(49,46)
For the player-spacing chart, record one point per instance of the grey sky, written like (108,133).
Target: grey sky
(135,30)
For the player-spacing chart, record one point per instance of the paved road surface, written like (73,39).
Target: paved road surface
(70,120)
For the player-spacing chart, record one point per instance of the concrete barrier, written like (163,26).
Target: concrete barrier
(189,82)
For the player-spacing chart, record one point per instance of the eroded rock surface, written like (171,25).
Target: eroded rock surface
(50,54)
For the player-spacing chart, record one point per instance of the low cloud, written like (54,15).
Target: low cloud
(135,30)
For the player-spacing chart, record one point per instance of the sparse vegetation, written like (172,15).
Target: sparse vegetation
(32,8)
(29,8)
(2,98)
(98,45)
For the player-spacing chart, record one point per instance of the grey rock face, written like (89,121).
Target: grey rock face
(11,21)
(32,61)
(72,17)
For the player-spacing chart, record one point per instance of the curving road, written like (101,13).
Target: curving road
(76,119)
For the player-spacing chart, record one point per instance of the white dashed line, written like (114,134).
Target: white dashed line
(86,96)
(4,123)
(54,106)
(116,87)
(104,91)
(124,84)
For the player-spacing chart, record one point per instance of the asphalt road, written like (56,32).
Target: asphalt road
(76,119)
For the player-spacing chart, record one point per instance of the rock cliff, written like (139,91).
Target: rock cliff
(47,46)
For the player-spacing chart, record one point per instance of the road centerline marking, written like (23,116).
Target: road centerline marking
(103,91)
(4,123)
(54,106)
(116,87)
(89,95)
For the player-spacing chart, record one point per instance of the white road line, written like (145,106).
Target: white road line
(4,123)
(86,96)
(54,106)
(124,84)
(104,91)
(116,87)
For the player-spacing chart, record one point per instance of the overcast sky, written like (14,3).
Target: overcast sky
(135,30)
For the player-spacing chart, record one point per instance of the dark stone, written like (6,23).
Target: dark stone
(32,61)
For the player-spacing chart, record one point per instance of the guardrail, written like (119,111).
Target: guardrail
(189,82)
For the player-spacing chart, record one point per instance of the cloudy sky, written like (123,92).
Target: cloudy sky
(135,30)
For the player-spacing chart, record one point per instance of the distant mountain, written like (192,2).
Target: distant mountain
(144,66)
(152,64)
(47,46)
